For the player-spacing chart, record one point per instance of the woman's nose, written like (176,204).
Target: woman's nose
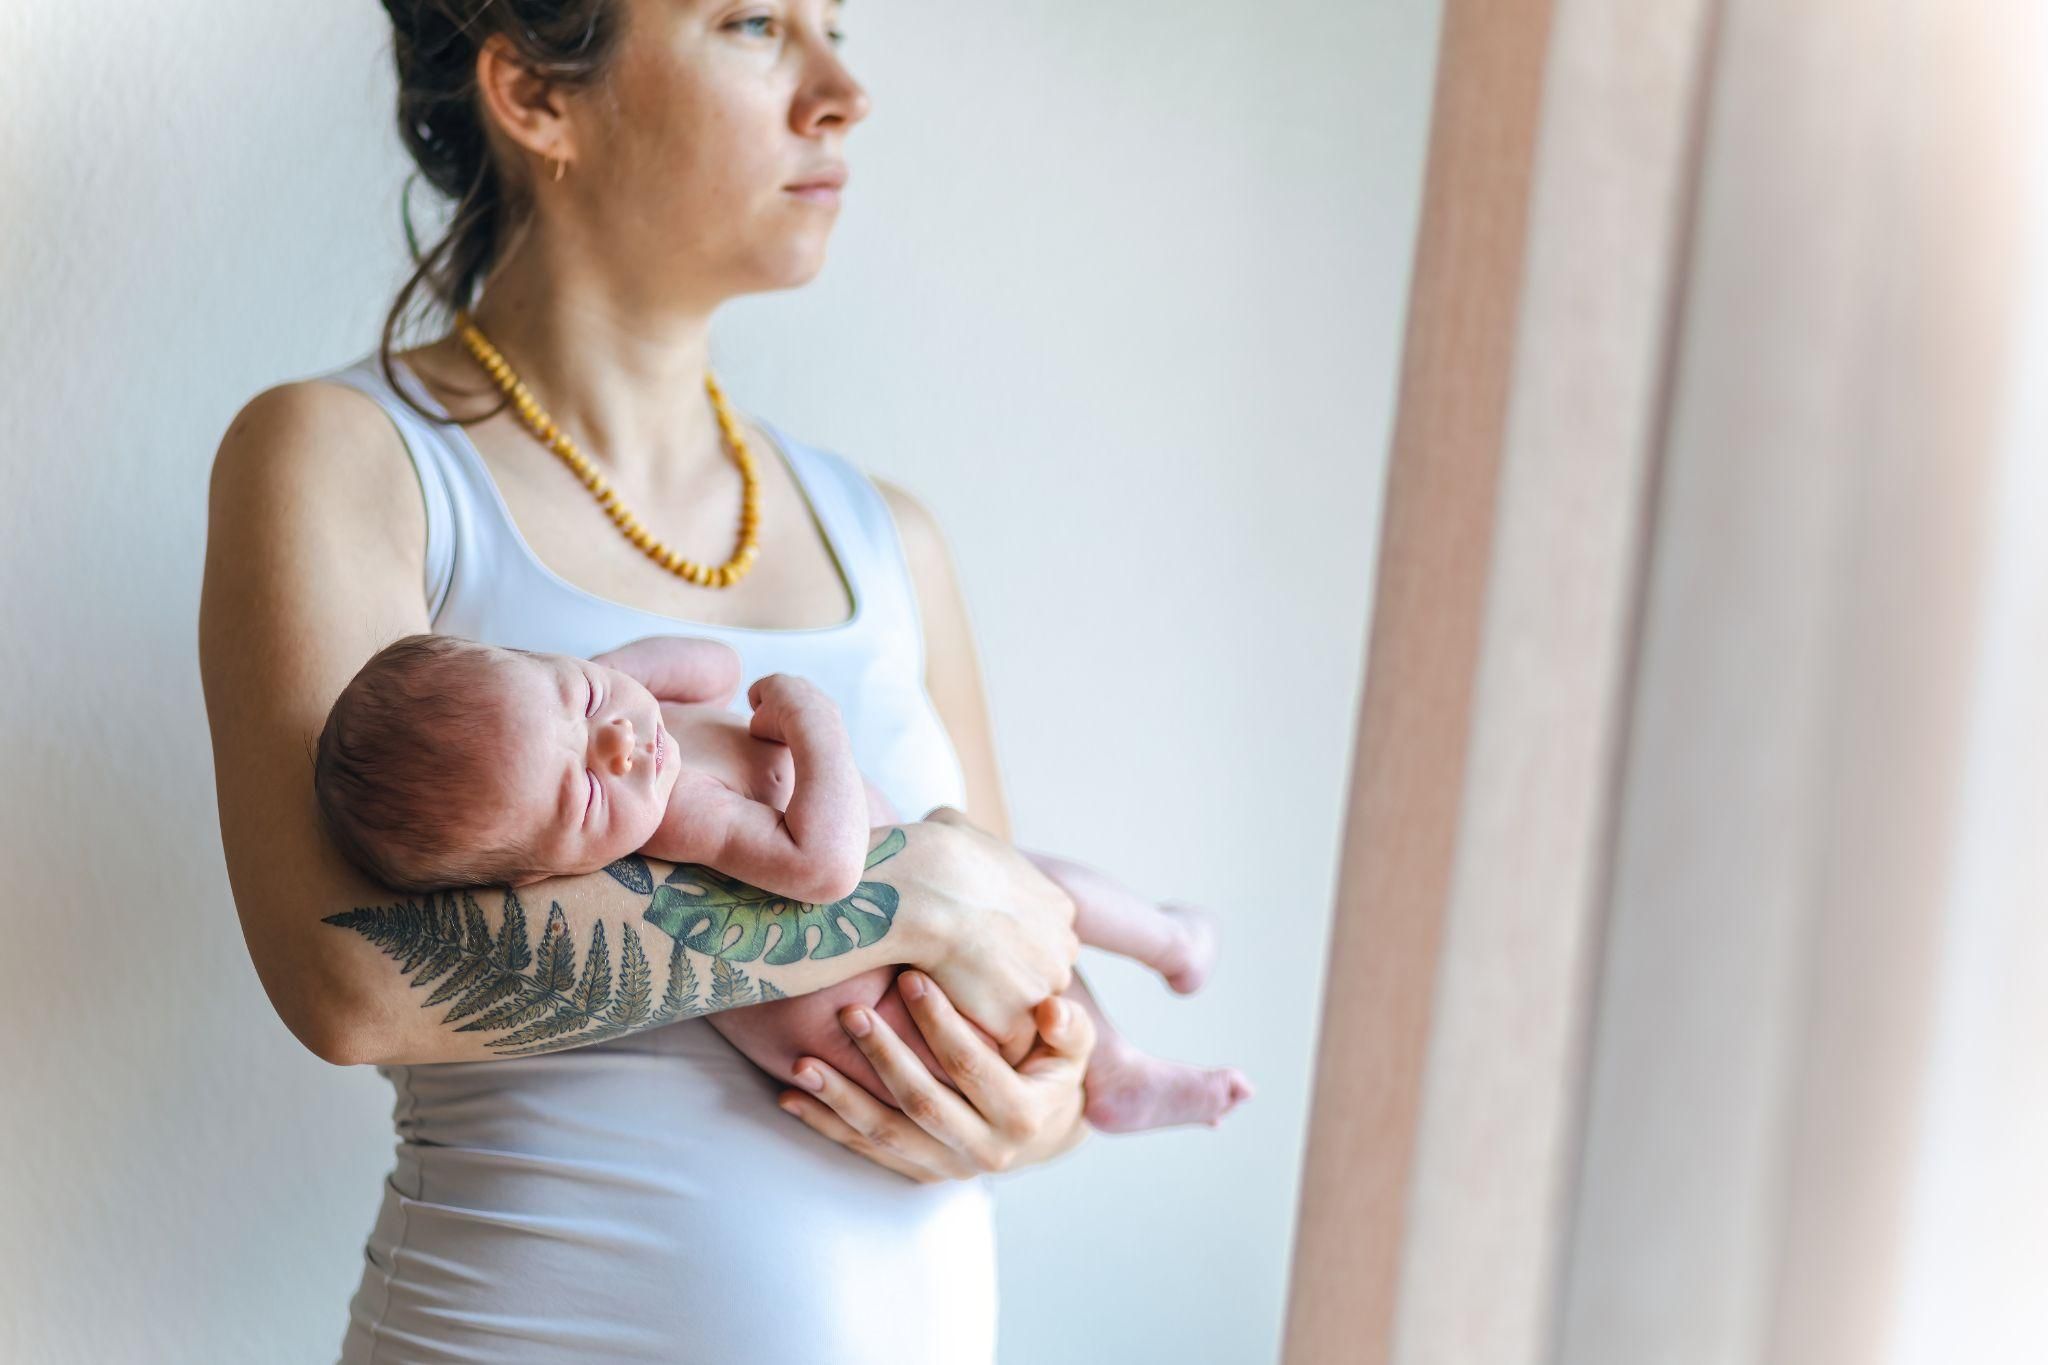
(615,745)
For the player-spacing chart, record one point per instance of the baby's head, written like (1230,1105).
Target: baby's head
(449,763)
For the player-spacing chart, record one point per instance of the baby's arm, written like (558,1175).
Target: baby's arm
(816,849)
(679,668)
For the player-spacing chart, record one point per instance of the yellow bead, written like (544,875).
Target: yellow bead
(558,442)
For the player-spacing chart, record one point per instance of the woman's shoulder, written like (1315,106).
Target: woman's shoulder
(307,449)
(306,430)
(914,522)
(923,543)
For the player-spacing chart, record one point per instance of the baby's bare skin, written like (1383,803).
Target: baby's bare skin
(1128,1090)
(778,802)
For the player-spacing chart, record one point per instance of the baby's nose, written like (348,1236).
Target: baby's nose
(615,746)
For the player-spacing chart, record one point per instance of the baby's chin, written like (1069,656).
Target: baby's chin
(623,845)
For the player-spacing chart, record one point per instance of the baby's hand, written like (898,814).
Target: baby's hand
(781,701)
(815,848)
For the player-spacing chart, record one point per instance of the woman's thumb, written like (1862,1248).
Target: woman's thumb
(1064,1028)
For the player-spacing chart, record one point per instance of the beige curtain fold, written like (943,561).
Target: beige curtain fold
(1655,790)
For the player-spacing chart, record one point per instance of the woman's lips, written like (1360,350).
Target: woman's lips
(816,194)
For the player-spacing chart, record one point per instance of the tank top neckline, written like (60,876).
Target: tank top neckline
(467,450)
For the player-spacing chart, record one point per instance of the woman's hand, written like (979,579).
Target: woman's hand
(999,933)
(996,1118)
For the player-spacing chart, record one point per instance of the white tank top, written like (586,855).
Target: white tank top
(643,1199)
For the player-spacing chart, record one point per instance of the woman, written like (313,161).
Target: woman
(627,1193)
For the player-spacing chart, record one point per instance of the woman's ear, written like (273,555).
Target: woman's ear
(522,106)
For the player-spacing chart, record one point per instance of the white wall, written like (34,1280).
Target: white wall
(1117,290)
(1977,1254)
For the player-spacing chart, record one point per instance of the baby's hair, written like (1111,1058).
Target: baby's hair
(400,770)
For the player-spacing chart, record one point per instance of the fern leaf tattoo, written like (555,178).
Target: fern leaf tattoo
(548,1007)
(538,999)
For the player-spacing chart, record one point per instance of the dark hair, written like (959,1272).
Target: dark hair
(572,43)
(400,769)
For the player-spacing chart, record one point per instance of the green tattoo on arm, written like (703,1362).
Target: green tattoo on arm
(541,1003)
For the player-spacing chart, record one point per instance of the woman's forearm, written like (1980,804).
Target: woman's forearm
(480,975)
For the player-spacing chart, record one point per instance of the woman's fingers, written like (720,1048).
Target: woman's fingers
(830,1125)
(885,1135)
(1060,1064)
(1067,1038)
(919,1094)
(981,1074)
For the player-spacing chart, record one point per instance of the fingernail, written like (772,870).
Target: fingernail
(856,1023)
(1059,1014)
(810,1078)
(790,1107)
(912,986)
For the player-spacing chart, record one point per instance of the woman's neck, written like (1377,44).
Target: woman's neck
(618,370)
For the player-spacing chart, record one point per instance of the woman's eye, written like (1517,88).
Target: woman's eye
(590,700)
(836,36)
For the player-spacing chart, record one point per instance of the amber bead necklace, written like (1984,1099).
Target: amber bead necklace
(555,439)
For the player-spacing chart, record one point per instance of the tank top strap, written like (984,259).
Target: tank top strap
(435,462)
(463,514)
(858,521)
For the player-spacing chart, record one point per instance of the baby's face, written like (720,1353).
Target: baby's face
(586,762)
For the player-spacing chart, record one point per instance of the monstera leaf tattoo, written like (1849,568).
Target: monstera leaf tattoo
(729,921)
(537,997)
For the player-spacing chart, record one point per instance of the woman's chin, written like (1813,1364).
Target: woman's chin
(798,261)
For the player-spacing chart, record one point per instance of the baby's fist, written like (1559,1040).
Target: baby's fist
(779,698)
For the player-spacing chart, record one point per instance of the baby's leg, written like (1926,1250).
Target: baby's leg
(1128,1090)
(1178,941)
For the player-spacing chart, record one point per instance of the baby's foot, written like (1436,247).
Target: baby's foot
(1194,947)
(1135,1091)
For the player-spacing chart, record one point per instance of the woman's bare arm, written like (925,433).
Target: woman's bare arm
(315,559)
(952,664)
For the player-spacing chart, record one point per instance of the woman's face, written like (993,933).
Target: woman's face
(717,108)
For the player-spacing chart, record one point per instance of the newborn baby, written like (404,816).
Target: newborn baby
(449,763)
